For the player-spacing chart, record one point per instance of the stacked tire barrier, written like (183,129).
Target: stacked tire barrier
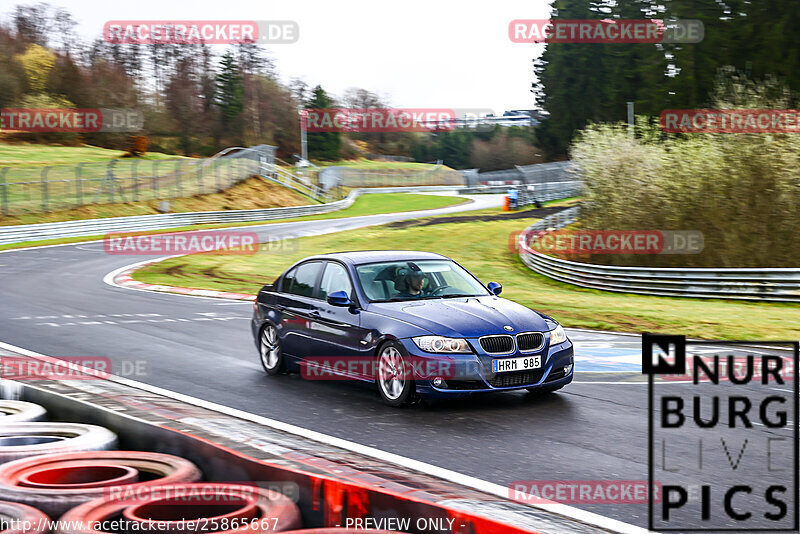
(12,411)
(71,473)
(14,515)
(20,440)
(54,483)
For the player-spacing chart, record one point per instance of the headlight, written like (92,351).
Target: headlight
(557,335)
(441,344)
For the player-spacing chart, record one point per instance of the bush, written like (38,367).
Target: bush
(138,147)
(741,190)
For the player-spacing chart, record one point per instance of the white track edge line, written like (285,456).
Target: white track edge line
(484,486)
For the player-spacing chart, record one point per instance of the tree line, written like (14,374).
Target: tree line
(196,101)
(579,83)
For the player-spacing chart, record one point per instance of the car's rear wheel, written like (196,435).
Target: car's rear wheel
(269,347)
(395,382)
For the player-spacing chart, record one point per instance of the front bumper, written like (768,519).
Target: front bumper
(471,373)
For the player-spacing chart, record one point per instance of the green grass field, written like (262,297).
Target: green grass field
(483,248)
(32,154)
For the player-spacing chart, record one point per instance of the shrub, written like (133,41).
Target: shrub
(740,190)
(138,147)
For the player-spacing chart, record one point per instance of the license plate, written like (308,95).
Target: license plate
(504,365)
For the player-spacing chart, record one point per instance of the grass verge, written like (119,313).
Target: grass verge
(24,154)
(482,247)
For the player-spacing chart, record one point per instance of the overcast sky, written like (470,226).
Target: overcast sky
(419,53)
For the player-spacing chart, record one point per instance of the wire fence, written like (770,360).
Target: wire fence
(37,189)
(540,173)
(349,177)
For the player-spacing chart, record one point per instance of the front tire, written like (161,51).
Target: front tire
(269,348)
(395,382)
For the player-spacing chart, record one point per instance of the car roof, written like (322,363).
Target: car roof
(360,257)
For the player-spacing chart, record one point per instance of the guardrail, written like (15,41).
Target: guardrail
(779,285)
(164,221)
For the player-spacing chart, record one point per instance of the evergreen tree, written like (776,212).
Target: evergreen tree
(322,145)
(230,96)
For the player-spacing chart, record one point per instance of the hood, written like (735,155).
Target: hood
(465,316)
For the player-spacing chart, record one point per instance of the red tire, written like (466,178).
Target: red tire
(21,519)
(20,440)
(207,504)
(12,411)
(54,483)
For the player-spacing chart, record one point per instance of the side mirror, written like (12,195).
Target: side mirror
(495,288)
(339,298)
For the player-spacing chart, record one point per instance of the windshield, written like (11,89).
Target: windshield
(413,280)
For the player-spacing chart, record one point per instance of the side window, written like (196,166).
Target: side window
(334,279)
(305,279)
(286,286)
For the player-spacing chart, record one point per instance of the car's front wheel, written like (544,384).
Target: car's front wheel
(269,346)
(395,381)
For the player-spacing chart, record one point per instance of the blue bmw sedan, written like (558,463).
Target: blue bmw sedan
(416,324)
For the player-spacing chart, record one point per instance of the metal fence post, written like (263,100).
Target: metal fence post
(78,183)
(155,178)
(44,188)
(3,191)
(178,188)
(135,177)
(200,177)
(110,184)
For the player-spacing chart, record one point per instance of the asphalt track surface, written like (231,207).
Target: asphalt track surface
(53,301)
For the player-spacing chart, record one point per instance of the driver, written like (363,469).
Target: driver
(413,282)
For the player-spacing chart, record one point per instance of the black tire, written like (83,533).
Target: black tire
(399,389)
(271,356)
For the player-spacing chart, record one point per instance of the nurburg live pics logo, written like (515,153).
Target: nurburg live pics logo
(723,446)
